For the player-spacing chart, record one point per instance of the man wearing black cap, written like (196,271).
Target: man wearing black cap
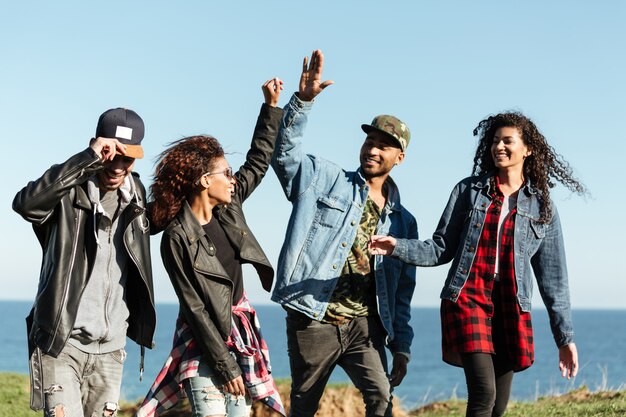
(95,284)
(343,305)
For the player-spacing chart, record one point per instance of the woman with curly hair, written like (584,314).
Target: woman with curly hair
(219,357)
(499,225)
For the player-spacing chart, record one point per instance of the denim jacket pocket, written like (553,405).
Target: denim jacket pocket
(538,228)
(330,210)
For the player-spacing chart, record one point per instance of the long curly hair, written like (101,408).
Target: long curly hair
(542,167)
(176,175)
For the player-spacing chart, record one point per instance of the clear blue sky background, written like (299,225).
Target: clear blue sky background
(197,67)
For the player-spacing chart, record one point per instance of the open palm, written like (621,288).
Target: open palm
(311,83)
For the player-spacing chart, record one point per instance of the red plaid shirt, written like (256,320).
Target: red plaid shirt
(486,317)
(182,363)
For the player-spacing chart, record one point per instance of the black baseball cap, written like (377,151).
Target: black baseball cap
(124,125)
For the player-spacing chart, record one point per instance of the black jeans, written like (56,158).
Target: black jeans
(315,348)
(489,380)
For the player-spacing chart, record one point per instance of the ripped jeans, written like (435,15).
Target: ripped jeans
(80,384)
(207,398)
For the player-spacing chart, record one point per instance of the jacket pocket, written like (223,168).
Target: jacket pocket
(330,210)
(538,228)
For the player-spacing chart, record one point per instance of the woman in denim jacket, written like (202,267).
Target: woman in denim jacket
(499,224)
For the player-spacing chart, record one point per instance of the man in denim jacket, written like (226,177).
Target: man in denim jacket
(343,306)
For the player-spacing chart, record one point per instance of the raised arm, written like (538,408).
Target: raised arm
(37,200)
(293,168)
(258,158)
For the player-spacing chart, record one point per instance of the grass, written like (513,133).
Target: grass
(14,399)
(14,396)
(578,403)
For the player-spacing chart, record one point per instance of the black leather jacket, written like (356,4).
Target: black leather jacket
(201,283)
(59,209)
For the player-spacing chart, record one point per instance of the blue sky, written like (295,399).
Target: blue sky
(441,67)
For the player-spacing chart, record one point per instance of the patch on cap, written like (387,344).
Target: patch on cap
(124,132)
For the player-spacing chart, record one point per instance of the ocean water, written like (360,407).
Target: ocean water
(600,338)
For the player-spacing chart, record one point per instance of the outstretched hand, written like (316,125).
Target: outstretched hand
(381,245)
(271,91)
(311,83)
(568,360)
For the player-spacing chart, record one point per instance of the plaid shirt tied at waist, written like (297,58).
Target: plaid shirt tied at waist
(246,343)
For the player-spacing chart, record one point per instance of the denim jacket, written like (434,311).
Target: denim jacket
(538,248)
(327,208)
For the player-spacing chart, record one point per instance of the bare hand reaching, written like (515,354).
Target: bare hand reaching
(271,91)
(311,83)
(381,245)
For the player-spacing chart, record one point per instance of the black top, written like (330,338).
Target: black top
(227,256)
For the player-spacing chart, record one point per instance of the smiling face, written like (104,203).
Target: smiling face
(379,154)
(220,182)
(111,177)
(508,149)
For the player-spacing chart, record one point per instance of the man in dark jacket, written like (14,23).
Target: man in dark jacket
(95,285)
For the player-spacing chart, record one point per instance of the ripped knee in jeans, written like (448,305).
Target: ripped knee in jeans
(58,410)
(212,394)
(109,409)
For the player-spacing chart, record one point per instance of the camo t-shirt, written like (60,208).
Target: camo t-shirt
(355,293)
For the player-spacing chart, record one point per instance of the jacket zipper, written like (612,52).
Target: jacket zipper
(69,276)
(107,290)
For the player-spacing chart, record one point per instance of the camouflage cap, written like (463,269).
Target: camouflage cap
(392,126)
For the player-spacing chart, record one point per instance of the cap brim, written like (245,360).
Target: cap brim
(370,128)
(134,151)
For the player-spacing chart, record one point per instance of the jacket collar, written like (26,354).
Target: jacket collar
(393,193)
(483,181)
(190,224)
(527,203)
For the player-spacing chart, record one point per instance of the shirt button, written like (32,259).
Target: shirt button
(335,266)
(477,225)
(344,244)
(464,271)
(352,223)
(471,249)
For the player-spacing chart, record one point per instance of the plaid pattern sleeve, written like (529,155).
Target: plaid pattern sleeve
(486,317)
(250,350)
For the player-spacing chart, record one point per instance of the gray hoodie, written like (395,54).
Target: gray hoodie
(101,321)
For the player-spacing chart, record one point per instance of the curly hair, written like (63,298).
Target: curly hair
(177,171)
(542,167)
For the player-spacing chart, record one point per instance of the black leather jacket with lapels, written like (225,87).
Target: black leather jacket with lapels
(62,216)
(201,283)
